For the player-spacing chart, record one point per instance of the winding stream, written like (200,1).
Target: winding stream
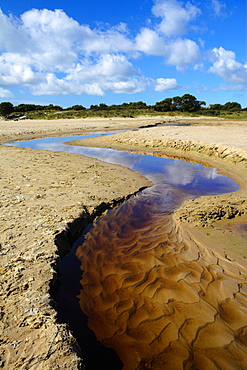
(151,292)
(192,178)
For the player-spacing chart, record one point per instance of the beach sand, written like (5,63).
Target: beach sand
(46,195)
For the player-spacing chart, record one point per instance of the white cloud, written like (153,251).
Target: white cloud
(150,42)
(105,66)
(5,93)
(175,16)
(12,37)
(226,66)
(178,52)
(55,86)
(111,40)
(183,52)
(54,41)
(164,84)
(15,70)
(52,53)
(94,76)
(225,87)
(133,86)
(218,7)
(59,56)
(235,87)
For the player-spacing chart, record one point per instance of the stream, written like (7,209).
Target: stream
(192,178)
(175,181)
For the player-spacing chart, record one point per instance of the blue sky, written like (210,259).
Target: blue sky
(93,51)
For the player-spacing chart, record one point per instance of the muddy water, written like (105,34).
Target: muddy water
(151,292)
(156,296)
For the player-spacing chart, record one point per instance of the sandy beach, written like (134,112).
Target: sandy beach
(49,197)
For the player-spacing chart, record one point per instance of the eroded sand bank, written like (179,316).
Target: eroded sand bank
(44,191)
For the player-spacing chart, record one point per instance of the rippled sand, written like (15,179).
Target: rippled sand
(156,296)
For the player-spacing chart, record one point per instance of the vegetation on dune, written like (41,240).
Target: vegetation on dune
(185,105)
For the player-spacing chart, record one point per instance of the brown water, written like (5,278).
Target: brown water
(156,296)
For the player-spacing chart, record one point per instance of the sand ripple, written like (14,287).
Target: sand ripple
(157,296)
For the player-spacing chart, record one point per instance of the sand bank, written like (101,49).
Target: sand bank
(43,192)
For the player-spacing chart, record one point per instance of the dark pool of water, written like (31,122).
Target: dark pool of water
(69,311)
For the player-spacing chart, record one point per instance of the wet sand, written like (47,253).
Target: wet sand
(45,192)
(158,296)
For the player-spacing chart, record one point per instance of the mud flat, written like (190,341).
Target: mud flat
(45,193)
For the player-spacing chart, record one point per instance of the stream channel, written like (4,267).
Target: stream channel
(178,178)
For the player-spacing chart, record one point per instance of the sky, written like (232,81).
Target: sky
(87,52)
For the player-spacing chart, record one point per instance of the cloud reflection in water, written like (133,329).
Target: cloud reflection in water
(193,178)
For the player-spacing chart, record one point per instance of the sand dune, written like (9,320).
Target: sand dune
(157,296)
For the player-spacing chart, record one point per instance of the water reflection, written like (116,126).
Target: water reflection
(193,178)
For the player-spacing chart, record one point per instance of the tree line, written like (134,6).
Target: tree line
(185,103)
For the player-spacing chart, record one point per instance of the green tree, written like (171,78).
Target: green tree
(138,105)
(77,107)
(189,103)
(176,103)
(53,107)
(185,103)
(28,107)
(216,106)
(6,108)
(94,107)
(232,106)
(103,106)
(164,105)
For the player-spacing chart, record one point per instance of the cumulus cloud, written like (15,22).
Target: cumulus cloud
(164,84)
(54,29)
(107,72)
(183,52)
(131,86)
(13,37)
(15,70)
(179,52)
(54,54)
(175,16)
(105,66)
(150,42)
(226,66)
(51,53)
(52,85)
(4,93)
